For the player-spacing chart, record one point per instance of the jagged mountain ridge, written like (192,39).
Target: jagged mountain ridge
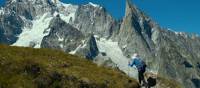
(100,34)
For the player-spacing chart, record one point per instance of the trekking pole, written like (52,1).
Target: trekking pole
(128,68)
(128,71)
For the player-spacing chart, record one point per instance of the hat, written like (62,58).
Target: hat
(135,55)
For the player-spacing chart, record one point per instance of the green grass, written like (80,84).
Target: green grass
(46,68)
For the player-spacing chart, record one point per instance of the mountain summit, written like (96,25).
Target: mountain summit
(91,32)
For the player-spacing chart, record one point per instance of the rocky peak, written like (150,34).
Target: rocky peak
(28,8)
(89,49)
(93,5)
(55,1)
(131,9)
(62,36)
(135,34)
(27,1)
(131,19)
(93,19)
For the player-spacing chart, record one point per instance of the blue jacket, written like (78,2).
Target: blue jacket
(139,63)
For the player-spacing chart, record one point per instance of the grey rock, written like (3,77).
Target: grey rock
(10,26)
(94,20)
(29,8)
(135,34)
(65,37)
(174,55)
(89,50)
(62,36)
(103,60)
(178,58)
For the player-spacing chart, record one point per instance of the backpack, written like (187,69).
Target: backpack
(140,64)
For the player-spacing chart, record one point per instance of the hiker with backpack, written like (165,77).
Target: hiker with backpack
(140,65)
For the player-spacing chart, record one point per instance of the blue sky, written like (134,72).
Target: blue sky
(179,15)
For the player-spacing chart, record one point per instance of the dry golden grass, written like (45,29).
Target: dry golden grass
(46,68)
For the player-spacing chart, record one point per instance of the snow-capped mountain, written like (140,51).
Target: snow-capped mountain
(89,31)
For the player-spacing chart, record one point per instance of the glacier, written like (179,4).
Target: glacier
(35,34)
(32,36)
(114,52)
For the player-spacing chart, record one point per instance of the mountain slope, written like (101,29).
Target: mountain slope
(101,38)
(167,53)
(179,58)
(45,68)
(133,35)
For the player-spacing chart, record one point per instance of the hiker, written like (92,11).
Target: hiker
(140,65)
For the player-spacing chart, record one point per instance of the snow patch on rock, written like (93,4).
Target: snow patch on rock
(113,51)
(13,1)
(179,33)
(83,45)
(1,11)
(68,18)
(55,1)
(55,14)
(67,11)
(33,36)
(95,5)
(59,38)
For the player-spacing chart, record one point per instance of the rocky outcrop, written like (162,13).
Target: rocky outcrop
(135,34)
(17,15)
(89,49)
(65,37)
(94,19)
(171,54)
(62,36)
(177,57)
(10,26)
(29,8)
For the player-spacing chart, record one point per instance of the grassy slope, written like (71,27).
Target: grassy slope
(45,68)
(162,82)
(167,83)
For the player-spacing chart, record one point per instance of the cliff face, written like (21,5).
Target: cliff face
(135,33)
(96,20)
(179,59)
(171,54)
(62,36)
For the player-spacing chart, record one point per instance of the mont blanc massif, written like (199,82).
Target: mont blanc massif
(89,31)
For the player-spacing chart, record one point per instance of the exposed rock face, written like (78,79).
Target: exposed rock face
(65,37)
(29,8)
(10,26)
(178,59)
(135,34)
(16,14)
(96,20)
(62,36)
(170,54)
(174,55)
(89,49)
